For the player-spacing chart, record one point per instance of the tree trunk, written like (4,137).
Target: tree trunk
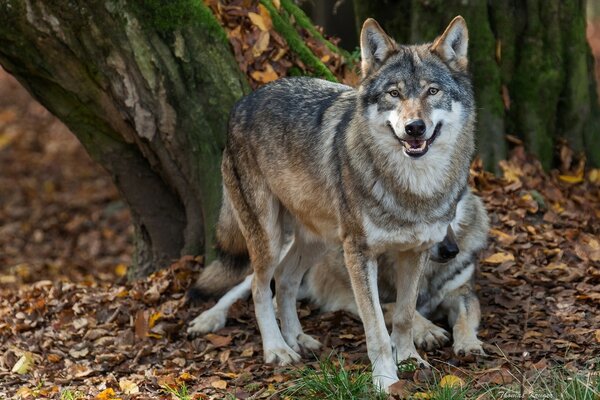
(531,64)
(147,90)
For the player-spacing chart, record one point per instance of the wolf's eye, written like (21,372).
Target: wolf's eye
(394,93)
(433,91)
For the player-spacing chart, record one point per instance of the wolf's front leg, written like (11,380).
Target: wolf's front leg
(362,268)
(410,266)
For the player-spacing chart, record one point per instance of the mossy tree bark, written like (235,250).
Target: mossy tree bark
(531,64)
(147,88)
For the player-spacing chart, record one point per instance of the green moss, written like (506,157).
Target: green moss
(166,16)
(296,43)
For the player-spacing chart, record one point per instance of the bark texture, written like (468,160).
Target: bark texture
(147,88)
(531,65)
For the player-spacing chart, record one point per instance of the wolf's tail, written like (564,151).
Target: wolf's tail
(232,264)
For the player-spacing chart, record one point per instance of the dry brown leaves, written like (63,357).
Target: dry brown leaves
(261,52)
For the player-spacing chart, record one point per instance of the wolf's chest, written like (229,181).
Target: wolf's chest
(416,236)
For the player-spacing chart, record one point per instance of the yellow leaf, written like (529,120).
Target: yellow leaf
(220,384)
(572,178)
(451,381)
(326,58)
(23,364)
(258,21)
(128,387)
(499,258)
(153,318)
(185,377)
(277,4)
(594,176)
(121,270)
(421,395)
(597,334)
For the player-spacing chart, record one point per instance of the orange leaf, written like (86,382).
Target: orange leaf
(265,76)
(217,340)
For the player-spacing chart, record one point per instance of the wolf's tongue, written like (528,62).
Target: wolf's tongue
(415,144)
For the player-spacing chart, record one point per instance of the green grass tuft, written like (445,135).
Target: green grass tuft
(68,394)
(332,381)
(180,393)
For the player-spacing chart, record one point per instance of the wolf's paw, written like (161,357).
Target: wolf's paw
(429,336)
(308,343)
(209,321)
(281,355)
(466,346)
(383,383)
(407,352)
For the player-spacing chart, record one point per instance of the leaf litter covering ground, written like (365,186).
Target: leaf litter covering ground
(68,320)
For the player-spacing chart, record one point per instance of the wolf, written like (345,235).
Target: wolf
(445,291)
(375,168)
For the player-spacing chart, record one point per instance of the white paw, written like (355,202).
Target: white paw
(429,336)
(307,342)
(281,355)
(403,353)
(465,346)
(209,321)
(383,383)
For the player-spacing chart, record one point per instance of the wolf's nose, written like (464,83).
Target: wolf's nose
(416,127)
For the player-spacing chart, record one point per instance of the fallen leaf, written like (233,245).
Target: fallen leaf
(107,394)
(220,384)
(23,364)
(499,258)
(265,76)
(262,43)
(258,21)
(571,178)
(451,381)
(218,340)
(128,387)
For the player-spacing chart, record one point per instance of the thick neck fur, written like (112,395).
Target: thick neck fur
(397,181)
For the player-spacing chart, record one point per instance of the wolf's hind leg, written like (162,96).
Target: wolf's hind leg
(261,220)
(464,314)
(287,281)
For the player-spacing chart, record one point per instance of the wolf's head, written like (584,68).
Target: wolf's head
(418,99)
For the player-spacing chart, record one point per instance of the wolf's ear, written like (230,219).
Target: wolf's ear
(453,44)
(375,46)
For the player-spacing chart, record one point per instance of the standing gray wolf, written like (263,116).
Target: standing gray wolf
(376,168)
(445,290)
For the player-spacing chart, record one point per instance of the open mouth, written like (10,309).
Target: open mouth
(416,148)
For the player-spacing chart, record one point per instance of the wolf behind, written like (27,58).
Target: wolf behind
(445,290)
(376,168)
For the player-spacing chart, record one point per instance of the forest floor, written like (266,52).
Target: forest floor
(70,325)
